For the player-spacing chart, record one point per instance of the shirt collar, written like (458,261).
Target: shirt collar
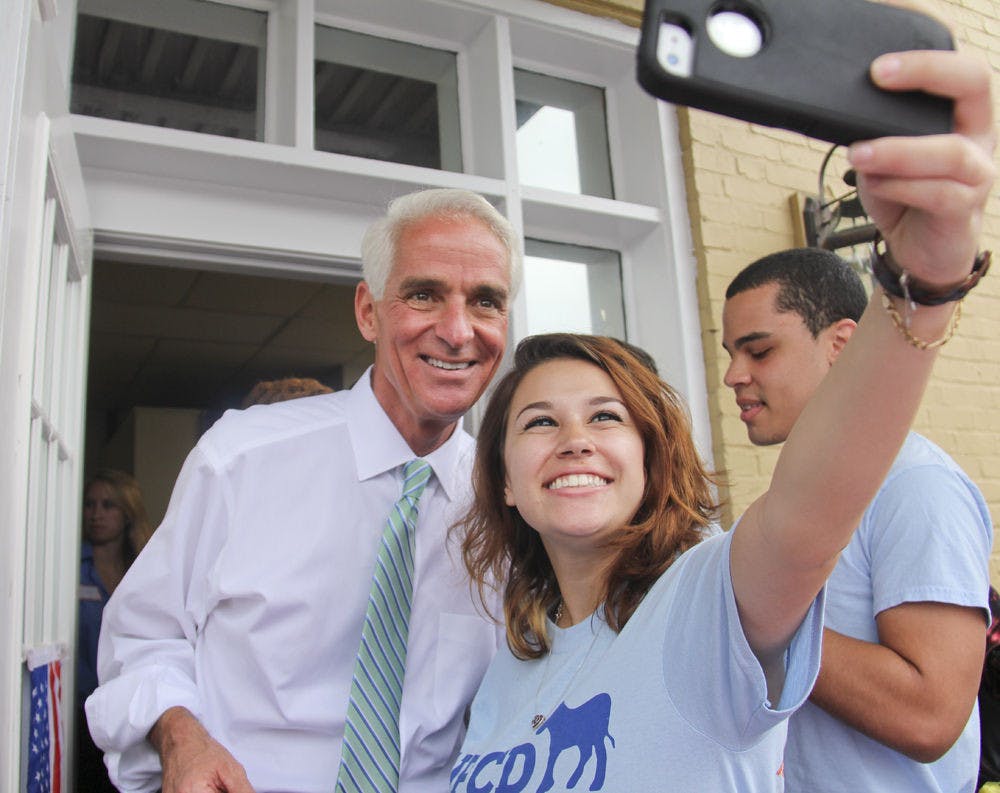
(378,446)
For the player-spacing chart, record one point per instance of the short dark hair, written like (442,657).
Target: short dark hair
(814,283)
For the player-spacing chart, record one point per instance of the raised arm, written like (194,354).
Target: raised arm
(927,197)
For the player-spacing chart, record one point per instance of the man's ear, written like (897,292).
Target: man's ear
(840,333)
(364,312)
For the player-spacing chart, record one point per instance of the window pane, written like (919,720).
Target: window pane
(184,65)
(562,138)
(573,289)
(386,100)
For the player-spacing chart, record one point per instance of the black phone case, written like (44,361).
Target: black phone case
(811,74)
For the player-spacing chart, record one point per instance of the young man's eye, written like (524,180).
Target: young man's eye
(760,354)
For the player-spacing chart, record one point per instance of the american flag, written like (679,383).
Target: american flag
(45,725)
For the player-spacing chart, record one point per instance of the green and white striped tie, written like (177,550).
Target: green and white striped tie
(369,761)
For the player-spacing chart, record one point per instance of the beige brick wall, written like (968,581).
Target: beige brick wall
(740,178)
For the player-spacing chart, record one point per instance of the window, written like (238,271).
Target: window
(55,453)
(571,288)
(534,106)
(184,64)
(386,100)
(562,139)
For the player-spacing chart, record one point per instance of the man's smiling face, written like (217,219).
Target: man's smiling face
(440,327)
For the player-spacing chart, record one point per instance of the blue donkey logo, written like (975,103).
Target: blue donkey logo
(584,728)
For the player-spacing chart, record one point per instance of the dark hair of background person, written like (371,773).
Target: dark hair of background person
(814,283)
(677,505)
(267,392)
(989,700)
(640,355)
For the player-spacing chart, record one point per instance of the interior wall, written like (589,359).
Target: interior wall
(172,348)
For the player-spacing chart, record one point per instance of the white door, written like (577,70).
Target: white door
(44,299)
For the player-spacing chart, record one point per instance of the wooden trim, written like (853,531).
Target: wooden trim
(627,11)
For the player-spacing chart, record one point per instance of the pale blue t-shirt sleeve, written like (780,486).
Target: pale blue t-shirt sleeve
(932,547)
(710,673)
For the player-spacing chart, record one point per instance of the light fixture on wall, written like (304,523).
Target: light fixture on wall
(838,222)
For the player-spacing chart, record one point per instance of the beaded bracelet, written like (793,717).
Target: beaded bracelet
(903,326)
(899,283)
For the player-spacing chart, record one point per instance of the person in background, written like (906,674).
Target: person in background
(267,392)
(989,703)
(237,654)
(893,708)
(115,528)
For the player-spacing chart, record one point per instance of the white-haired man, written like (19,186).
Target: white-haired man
(230,659)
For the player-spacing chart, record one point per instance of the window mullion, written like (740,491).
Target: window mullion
(289,80)
(486,92)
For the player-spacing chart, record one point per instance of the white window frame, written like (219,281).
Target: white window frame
(280,206)
(179,17)
(589,120)
(56,260)
(394,63)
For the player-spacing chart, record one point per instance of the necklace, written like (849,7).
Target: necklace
(540,718)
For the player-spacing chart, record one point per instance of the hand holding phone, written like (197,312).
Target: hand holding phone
(796,64)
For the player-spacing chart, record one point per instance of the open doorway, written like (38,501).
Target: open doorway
(172,348)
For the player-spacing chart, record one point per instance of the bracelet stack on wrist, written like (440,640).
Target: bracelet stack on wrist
(903,326)
(895,281)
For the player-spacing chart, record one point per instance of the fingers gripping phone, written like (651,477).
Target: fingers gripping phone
(796,64)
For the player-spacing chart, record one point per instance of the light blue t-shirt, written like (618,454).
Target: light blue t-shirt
(925,537)
(675,702)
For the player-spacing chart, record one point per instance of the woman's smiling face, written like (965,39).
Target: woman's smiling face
(574,457)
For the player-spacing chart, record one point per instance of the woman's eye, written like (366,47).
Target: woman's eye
(607,415)
(540,421)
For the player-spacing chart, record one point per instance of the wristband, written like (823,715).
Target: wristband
(899,284)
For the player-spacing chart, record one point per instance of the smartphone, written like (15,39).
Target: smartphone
(796,64)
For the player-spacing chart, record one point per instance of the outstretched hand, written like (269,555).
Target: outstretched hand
(193,761)
(927,194)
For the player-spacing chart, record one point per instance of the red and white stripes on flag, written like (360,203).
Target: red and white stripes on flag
(45,726)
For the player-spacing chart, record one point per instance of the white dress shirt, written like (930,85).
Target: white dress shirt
(246,607)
